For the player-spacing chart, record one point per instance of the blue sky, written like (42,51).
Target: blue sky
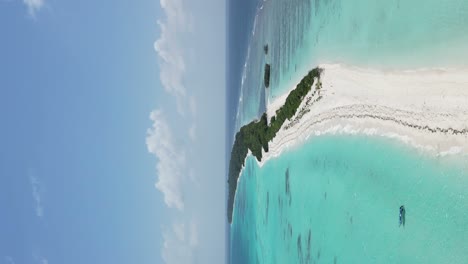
(112,131)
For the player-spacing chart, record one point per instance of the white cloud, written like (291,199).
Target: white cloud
(170,51)
(177,248)
(171,160)
(44,261)
(36,193)
(33,6)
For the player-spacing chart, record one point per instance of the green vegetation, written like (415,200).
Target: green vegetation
(266,77)
(256,135)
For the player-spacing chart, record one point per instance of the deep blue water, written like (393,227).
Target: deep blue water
(240,19)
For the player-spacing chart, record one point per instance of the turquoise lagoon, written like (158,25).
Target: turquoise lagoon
(341,203)
(335,199)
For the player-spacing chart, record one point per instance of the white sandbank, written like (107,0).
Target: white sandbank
(426,108)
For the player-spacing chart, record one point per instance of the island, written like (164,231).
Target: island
(256,135)
(266,77)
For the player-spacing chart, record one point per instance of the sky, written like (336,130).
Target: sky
(112,131)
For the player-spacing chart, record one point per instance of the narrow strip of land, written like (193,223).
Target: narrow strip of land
(426,108)
(256,135)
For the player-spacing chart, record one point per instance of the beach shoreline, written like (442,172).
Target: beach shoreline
(425,108)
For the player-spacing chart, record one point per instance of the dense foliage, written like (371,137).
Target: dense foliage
(266,77)
(256,135)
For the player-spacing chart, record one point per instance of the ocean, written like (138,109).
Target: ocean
(344,191)
(336,199)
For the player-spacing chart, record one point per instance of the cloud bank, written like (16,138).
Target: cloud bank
(171,160)
(170,51)
(181,240)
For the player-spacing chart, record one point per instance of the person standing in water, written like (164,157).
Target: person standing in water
(402,215)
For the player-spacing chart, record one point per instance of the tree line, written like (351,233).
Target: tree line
(256,135)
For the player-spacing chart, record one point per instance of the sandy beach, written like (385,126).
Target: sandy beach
(425,108)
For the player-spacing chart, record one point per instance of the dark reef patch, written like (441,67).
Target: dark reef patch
(267,207)
(309,237)
(287,186)
(299,249)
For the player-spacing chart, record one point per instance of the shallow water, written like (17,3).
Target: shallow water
(336,199)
